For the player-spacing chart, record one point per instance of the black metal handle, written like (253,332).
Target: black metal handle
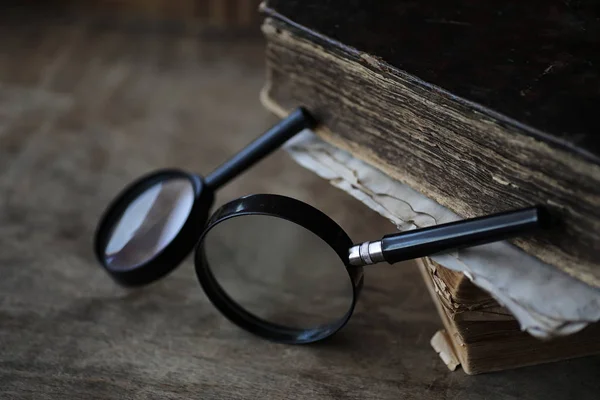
(471,232)
(271,140)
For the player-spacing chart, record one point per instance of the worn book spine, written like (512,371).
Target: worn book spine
(482,336)
(465,161)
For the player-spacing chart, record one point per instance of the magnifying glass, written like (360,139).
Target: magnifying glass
(155,222)
(283,270)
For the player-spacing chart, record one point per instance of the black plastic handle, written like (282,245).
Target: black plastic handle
(456,235)
(271,140)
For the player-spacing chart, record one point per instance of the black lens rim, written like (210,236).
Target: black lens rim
(175,252)
(301,214)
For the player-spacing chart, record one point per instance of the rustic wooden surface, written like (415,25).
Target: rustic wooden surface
(215,13)
(469,161)
(174,15)
(82,112)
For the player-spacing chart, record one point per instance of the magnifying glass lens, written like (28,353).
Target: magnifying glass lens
(149,223)
(278,271)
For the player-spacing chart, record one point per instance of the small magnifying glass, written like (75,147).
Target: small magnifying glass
(155,222)
(283,270)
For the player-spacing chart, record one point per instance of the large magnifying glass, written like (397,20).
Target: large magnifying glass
(285,271)
(155,222)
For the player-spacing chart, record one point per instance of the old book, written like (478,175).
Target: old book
(483,336)
(480,107)
(525,286)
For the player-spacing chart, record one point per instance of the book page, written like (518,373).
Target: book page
(545,301)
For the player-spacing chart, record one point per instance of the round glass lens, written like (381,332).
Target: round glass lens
(149,223)
(279,271)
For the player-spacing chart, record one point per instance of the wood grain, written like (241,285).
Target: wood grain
(213,14)
(466,160)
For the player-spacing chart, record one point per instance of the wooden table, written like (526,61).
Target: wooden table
(83,110)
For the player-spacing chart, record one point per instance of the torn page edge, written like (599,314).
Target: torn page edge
(521,283)
(442,345)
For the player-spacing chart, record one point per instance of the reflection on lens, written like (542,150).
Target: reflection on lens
(279,271)
(150,223)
